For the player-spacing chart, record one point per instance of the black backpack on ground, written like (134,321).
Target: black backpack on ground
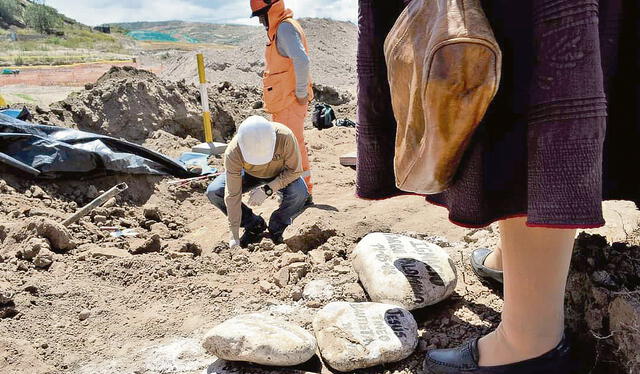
(323,116)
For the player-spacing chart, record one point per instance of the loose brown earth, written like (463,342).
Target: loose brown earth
(91,305)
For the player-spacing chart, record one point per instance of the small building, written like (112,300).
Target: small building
(103,29)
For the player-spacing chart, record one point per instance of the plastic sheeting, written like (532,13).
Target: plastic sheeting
(56,152)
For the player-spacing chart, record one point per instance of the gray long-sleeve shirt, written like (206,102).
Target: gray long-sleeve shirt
(289,44)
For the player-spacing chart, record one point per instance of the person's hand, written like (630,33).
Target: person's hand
(303,100)
(257,197)
(234,244)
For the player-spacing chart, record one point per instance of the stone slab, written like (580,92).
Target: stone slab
(403,271)
(355,336)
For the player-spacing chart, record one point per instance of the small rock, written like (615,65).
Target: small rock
(92,192)
(161,229)
(97,251)
(152,213)
(313,304)
(98,219)
(5,298)
(43,260)
(267,245)
(281,278)
(318,256)
(31,248)
(290,258)
(400,270)
(357,336)
(37,192)
(341,269)
(319,289)
(258,105)
(33,290)
(141,246)
(265,286)
(296,294)
(354,292)
(185,246)
(84,315)
(262,340)
(297,271)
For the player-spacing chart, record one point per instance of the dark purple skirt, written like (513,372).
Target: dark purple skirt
(547,148)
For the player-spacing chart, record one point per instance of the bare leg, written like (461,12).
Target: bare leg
(536,265)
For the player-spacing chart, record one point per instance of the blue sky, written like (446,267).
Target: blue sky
(94,12)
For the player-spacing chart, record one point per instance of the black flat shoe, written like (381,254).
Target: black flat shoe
(464,360)
(309,202)
(478,258)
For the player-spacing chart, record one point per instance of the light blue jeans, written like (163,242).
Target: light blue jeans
(293,199)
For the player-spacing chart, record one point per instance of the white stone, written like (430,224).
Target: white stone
(320,290)
(355,336)
(403,271)
(227,367)
(262,340)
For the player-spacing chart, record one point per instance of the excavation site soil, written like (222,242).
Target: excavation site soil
(79,300)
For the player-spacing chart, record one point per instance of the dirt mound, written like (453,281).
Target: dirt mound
(603,304)
(333,46)
(134,104)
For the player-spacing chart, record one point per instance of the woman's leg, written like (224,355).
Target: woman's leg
(536,265)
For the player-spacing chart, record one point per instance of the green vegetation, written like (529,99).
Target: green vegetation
(46,37)
(42,18)
(9,10)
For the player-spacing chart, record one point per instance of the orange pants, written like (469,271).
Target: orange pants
(293,117)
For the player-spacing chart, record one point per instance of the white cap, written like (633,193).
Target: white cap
(257,140)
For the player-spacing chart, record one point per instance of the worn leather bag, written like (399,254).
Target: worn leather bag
(444,68)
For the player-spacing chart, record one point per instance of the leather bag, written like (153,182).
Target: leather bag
(444,68)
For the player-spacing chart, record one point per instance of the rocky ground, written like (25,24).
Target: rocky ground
(78,300)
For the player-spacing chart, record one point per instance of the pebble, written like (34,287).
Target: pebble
(403,271)
(297,271)
(98,219)
(281,278)
(33,247)
(290,258)
(319,289)
(152,213)
(85,314)
(354,336)
(44,259)
(261,340)
(265,286)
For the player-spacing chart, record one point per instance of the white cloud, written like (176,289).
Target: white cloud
(94,12)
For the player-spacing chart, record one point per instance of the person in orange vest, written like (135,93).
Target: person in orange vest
(287,79)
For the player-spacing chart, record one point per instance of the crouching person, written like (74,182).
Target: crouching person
(262,159)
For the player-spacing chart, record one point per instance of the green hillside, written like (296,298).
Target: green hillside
(32,33)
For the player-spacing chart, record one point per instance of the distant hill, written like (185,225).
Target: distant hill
(189,32)
(35,34)
(13,13)
(332,44)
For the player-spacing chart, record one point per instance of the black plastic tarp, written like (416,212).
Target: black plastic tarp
(55,152)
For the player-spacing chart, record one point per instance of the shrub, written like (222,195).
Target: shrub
(42,18)
(19,61)
(9,10)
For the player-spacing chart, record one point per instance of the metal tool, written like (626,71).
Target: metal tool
(99,201)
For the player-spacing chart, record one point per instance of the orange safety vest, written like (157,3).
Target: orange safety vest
(280,76)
